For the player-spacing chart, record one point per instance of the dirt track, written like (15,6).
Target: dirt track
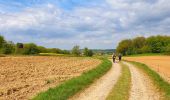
(161,64)
(23,77)
(100,89)
(142,87)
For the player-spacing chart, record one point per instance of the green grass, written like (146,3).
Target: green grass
(121,89)
(163,85)
(74,85)
(55,54)
(145,54)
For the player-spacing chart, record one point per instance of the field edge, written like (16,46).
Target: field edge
(74,85)
(162,84)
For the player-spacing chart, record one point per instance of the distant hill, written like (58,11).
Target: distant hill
(104,51)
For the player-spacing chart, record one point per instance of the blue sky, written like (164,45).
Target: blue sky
(98,24)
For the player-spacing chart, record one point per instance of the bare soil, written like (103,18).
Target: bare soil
(101,88)
(161,64)
(21,78)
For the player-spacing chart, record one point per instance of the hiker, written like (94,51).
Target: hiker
(114,57)
(120,57)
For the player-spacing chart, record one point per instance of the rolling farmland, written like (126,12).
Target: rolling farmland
(24,77)
(160,64)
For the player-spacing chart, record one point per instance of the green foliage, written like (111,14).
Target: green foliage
(8,48)
(87,52)
(155,44)
(167,49)
(1,41)
(76,50)
(42,49)
(65,52)
(139,45)
(30,48)
(138,42)
(74,85)
(27,49)
(123,47)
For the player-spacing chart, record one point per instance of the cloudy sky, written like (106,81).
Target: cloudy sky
(97,24)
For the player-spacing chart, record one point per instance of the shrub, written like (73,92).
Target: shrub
(31,48)
(76,50)
(88,52)
(8,48)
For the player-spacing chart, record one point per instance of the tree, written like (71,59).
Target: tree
(90,53)
(145,49)
(155,44)
(42,49)
(8,48)
(31,48)
(123,47)
(76,50)
(138,42)
(167,50)
(87,52)
(2,41)
(65,52)
(54,50)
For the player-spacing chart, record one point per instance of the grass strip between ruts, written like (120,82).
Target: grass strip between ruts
(121,89)
(157,79)
(74,85)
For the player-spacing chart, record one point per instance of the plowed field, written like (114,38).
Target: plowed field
(23,77)
(160,64)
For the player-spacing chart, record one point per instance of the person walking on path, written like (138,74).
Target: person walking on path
(114,57)
(120,57)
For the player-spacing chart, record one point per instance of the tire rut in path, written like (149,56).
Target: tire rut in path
(142,87)
(100,89)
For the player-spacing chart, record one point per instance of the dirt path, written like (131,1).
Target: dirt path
(142,87)
(101,88)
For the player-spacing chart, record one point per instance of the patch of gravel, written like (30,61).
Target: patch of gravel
(101,88)
(142,87)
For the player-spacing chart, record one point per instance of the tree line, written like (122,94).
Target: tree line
(140,45)
(8,47)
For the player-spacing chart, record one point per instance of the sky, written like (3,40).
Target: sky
(96,24)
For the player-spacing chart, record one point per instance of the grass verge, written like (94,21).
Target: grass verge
(163,85)
(121,89)
(145,54)
(74,85)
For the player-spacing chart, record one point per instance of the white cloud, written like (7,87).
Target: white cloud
(95,27)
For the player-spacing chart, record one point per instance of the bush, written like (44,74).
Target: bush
(123,47)
(167,50)
(153,44)
(8,48)
(30,48)
(88,52)
(2,41)
(76,50)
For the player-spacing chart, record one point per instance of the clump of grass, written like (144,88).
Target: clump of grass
(158,80)
(49,81)
(121,89)
(145,54)
(74,85)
